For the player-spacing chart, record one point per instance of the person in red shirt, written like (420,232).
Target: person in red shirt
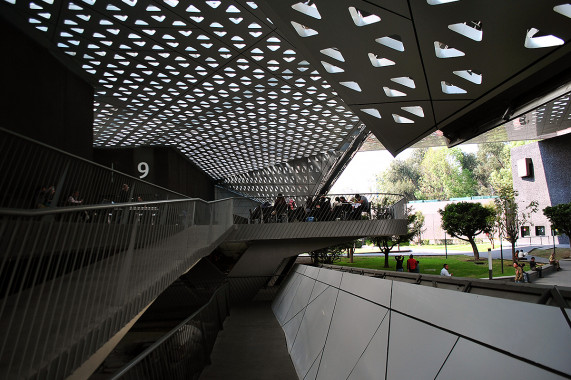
(412,264)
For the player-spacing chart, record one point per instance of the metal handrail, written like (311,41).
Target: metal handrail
(502,289)
(36,175)
(129,366)
(319,208)
(100,272)
(66,209)
(86,161)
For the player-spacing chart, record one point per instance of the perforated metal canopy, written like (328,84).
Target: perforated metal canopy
(410,68)
(240,86)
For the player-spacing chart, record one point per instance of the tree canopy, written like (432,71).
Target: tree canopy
(442,173)
(466,220)
(415,223)
(560,217)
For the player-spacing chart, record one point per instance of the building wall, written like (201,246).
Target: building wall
(162,166)
(41,98)
(346,326)
(548,182)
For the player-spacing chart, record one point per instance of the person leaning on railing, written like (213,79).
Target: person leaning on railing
(363,205)
(73,200)
(337,209)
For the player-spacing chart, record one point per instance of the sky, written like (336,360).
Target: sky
(360,174)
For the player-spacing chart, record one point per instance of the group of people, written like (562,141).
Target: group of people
(315,209)
(520,275)
(46,195)
(412,265)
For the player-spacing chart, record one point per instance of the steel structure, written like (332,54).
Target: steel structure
(246,87)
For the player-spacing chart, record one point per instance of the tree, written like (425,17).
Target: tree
(510,219)
(387,243)
(418,225)
(465,221)
(446,173)
(494,229)
(493,167)
(402,176)
(327,255)
(560,217)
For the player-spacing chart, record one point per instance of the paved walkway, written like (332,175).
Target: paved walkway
(252,346)
(559,278)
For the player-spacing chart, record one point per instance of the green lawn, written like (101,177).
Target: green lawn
(459,265)
(482,247)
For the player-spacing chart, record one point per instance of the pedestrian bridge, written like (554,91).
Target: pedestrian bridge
(74,279)
(71,283)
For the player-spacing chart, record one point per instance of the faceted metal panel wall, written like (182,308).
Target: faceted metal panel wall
(347,326)
(405,67)
(213,79)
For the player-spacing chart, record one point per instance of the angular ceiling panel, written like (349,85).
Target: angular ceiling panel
(242,86)
(468,54)
(212,79)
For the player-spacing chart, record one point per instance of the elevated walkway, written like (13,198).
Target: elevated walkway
(63,301)
(351,229)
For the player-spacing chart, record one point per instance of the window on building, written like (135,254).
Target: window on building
(524,231)
(525,168)
(539,230)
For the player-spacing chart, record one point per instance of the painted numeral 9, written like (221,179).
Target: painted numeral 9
(143,168)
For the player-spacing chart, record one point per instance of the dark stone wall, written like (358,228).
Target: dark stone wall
(556,157)
(550,183)
(166,168)
(41,98)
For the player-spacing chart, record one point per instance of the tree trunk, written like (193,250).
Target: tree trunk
(475,249)
(351,252)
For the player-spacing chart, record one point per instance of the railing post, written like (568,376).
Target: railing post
(125,272)
(189,218)
(59,186)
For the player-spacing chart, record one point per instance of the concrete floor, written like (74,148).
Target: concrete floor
(252,346)
(559,278)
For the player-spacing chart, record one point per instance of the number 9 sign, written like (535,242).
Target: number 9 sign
(143,168)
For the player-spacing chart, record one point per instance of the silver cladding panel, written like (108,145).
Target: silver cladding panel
(424,333)
(349,343)
(487,364)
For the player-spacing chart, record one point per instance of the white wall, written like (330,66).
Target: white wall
(346,326)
